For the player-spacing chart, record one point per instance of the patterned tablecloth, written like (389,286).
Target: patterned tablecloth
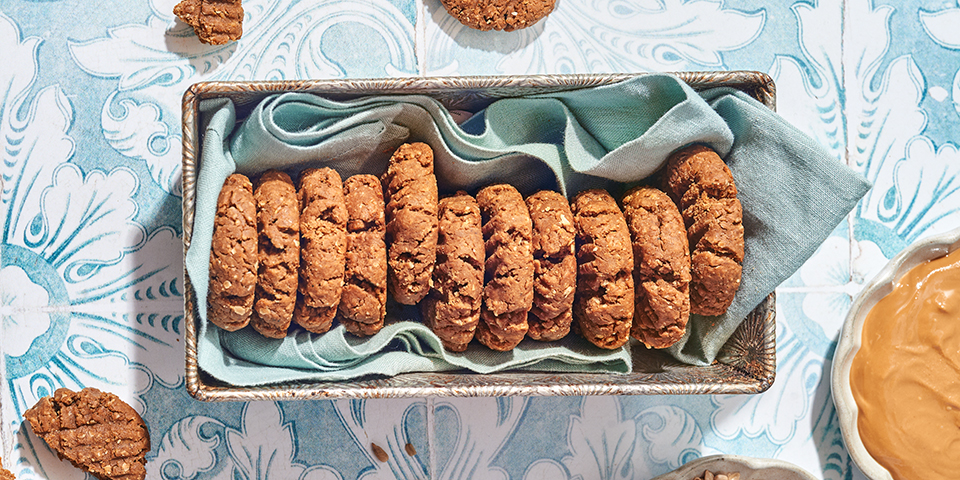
(92,279)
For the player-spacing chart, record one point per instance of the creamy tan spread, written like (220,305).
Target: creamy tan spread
(906,375)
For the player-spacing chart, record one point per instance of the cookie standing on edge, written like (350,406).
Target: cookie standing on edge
(554,266)
(96,431)
(603,309)
(702,186)
(661,267)
(411,222)
(233,256)
(452,309)
(278,224)
(323,244)
(363,304)
(507,15)
(508,268)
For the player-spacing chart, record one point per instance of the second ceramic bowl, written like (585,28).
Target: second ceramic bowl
(850,340)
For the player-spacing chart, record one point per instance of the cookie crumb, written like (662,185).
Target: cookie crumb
(379,452)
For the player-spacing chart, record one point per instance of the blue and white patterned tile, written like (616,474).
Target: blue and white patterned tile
(902,129)
(91,251)
(469,436)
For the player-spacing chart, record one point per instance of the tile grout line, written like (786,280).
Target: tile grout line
(419,41)
(851,216)
(431,454)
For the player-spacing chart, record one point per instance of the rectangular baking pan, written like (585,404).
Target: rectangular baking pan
(746,363)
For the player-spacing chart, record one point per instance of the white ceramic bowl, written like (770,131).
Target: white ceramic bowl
(849,344)
(749,469)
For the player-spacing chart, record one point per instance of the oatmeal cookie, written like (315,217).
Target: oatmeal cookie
(215,22)
(323,244)
(233,256)
(661,267)
(508,268)
(703,187)
(96,431)
(278,225)
(507,15)
(554,266)
(452,309)
(411,222)
(363,304)
(603,309)
(4,473)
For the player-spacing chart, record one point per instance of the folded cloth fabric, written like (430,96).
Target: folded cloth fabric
(568,141)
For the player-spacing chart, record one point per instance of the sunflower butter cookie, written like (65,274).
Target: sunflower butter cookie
(603,309)
(96,431)
(504,15)
(702,186)
(411,222)
(233,255)
(215,22)
(452,309)
(278,225)
(363,304)
(323,244)
(661,267)
(554,266)
(508,268)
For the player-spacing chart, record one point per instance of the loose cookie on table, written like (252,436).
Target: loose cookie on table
(4,473)
(508,268)
(215,22)
(603,309)
(323,244)
(554,266)
(363,304)
(96,431)
(411,222)
(505,15)
(278,225)
(661,267)
(452,309)
(703,187)
(233,255)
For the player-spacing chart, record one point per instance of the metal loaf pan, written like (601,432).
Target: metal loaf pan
(746,363)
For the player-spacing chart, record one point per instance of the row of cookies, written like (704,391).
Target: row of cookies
(498,267)
(283,253)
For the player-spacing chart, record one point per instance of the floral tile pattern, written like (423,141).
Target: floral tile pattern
(90,256)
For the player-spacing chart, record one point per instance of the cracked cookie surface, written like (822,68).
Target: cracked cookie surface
(215,22)
(554,266)
(411,214)
(323,244)
(452,309)
(508,267)
(704,189)
(233,255)
(661,267)
(96,431)
(603,309)
(278,227)
(504,15)
(364,301)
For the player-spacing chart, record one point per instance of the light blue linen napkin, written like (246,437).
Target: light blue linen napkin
(568,141)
